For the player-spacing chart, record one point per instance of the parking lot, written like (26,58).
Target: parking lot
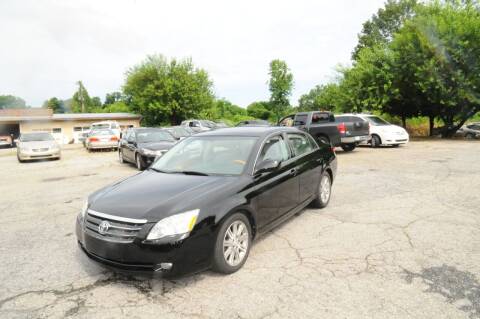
(399,239)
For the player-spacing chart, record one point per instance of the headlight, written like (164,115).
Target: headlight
(84,210)
(176,227)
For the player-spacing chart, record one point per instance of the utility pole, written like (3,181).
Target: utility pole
(81,96)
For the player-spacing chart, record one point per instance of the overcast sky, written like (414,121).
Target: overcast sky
(46,46)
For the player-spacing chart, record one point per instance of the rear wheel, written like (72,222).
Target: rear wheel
(348,147)
(139,162)
(324,191)
(469,136)
(233,244)
(375,142)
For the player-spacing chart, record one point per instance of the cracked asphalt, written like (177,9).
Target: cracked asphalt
(399,239)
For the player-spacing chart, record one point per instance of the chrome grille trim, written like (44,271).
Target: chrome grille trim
(120,230)
(117,218)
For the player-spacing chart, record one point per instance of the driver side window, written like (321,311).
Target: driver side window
(274,149)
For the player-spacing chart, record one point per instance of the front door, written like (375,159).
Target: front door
(277,190)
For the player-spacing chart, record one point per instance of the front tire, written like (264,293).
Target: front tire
(120,157)
(139,162)
(348,147)
(324,191)
(233,244)
(375,142)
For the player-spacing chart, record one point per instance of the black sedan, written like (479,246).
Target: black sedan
(203,203)
(142,146)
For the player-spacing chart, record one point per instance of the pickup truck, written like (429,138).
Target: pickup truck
(346,131)
(321,125)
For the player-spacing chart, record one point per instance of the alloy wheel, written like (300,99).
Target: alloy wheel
(235,243)
(325,188)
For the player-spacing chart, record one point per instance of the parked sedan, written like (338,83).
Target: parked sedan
(101,139)
(142,146)
(33,146)
(203,203)
(385,133)
(470,131)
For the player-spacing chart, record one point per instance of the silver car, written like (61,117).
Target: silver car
(101,139)
(470,131)
(41,145)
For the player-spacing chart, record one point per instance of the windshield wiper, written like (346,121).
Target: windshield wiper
(192,173)
(157,170)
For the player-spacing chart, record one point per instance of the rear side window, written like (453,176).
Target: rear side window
(320,117)
(274,149)
(300,144)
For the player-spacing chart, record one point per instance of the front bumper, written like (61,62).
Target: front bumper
(31,155)
(355,139)
(395,139)
(189,255)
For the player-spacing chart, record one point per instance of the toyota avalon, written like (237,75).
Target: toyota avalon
(203,202)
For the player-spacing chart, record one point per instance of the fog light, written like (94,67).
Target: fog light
(164,267)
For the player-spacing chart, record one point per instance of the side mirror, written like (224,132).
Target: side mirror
(267,165)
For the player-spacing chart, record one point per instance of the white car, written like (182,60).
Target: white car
(199,125)
(106,125)
(384,133)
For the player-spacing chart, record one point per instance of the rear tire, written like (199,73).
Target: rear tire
(469,136)
(348,147)
(375,142)
(232,247)
(324,191)
(324,139)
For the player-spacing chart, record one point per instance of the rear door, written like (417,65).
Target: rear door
(307,169)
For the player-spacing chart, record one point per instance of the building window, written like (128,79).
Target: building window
(56,130)
(77,129)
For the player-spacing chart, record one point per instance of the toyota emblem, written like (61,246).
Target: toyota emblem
(103,227)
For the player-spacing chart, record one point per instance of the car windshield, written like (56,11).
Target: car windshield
(100,126)
(149,136)
(36,137)
(179,131)
(375,120)
(208,155)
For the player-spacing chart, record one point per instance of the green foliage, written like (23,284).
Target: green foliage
(55,104)
(321,97)
(259,110)
(117,107)
(280,85)
(380,29)
(167,91)
(111,98)
(11,102)
(81,101)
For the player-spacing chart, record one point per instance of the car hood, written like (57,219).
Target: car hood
(38,144)
(156,146)
(151,195)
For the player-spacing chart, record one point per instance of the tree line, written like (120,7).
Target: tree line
(412,59)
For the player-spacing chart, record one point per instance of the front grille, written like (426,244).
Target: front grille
(120,230)
(404,140)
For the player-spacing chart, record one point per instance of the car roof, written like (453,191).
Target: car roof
(256,131)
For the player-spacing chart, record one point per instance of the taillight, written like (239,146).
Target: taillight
(114,138)
(341,128)
(93,139)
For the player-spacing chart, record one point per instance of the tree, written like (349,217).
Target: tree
(81,101)
(380,29)
(321,97)
(11,102)
(259,110)
(55,104)
(111,98)
(280,85)
(167,91)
